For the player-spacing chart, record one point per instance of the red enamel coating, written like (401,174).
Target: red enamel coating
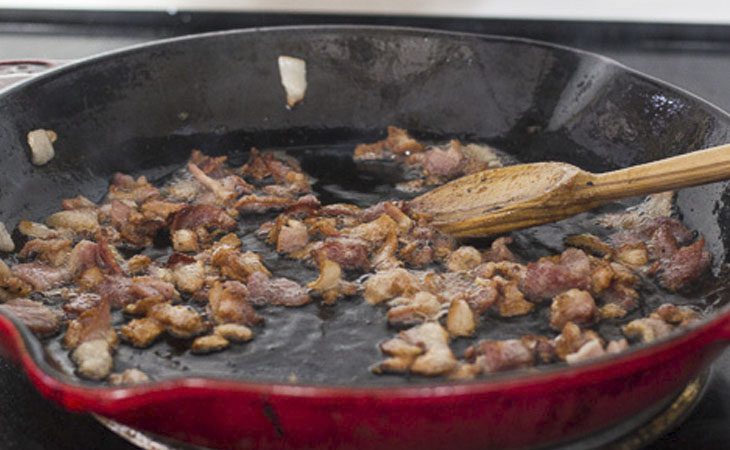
(517,411)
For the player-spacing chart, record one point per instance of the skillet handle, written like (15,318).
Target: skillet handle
(15,71)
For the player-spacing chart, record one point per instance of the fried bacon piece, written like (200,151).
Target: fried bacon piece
(446,163)
(124,187)
(574,306)
(178,320)
(208,216)
(647,329)
(512,302)
(92,341)
(41,277)
(120,291)
(208,344)
(82,221)
(292,236)
(330,285)
(128,377)
(499,251)
(422,350)
(349,253)
(407,311)
(497,356)
(40,319)
(264,290)
(236,265)
(229,303)
(460,320)
(141,333)
(77,304)
(52,251)
(464,258)
(388,285)
(676,315)
(550,276)
(572,338)
(685,266)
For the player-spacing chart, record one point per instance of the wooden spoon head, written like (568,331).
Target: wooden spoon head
(500,200)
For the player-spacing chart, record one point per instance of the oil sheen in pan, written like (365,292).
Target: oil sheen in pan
(337,344)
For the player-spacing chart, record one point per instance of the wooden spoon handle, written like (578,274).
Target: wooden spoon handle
(690,169)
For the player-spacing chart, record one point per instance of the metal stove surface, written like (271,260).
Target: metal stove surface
(696,58)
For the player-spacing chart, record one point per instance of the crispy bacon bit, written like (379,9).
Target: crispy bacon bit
(194,216)
(422,350)
(497,356)
(260,204)
(77,304)
(547,278)
(6,241)
(179,321)
(223,194)
(209,344)
(676,315)
(445,163)
(349,253)
(499,251)
(276,291)
(572,306)
(51,251)
(330,285)
(236,265)
(635,254)
(612,311)
(121,291)
(648,330)
(83,221)
(229,303)
(384,286)
(92,339)
(128,377)
(571,339)
(234,332)
(141,333)
(421,307)
(589,350)
(38,231)
(185,241)
(512,302)
(93,359)
(292,236)
(460,320)
(124,187)
(464,258)
(189,278)
(685,266)
(138,264)
(35,315)
(40,276)
(617,346)
(400,142)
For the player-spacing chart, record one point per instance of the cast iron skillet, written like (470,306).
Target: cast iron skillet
(141,110)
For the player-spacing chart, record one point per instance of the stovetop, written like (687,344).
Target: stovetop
(694,57)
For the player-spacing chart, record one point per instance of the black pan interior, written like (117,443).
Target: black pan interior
(142,111)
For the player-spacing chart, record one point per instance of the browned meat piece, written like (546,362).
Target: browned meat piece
(400,142)
(234,332)
(590,350)
(634,255)
(648,330)
(77,304)
(383,286)
(589,243)
(292,236)
(120,291)
(676,315)
(128,377)
(179,321)
(460,320)
(620,295)
(219,190)
(330,285)
(208,216)
(215,166)
(406,311)
(612,311)
(464,258)
(138,264)
(367,152)
(185,241)
(385,257)
(349,253)
(447,163)
(499,251)
(571,339)
(663,244)
(482,295)
(78,202)
(497,356)
(52,251)
(141,333)
(124,187)
(547,278)
(40,276)
(685,266)
(236,265)
(92,339)
(512,302)
(263,290)
(158,210)
(39,231)
(422,350)
(40,319)
(260,204)
(543,347)
(374,231)
(572,306)
(144,306)
(602,276)
(82,221)
(229,303)
(209,344)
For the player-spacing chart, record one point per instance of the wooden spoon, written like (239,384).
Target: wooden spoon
(500,200)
